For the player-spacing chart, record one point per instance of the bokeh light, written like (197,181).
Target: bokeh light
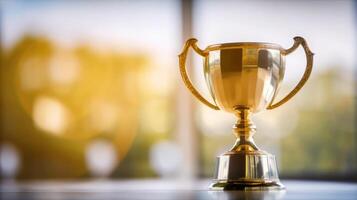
(50,115)
(101,158)
(63,69)
(77,80)
(10,160)
(166,158)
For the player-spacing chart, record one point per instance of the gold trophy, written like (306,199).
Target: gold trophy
(243,78)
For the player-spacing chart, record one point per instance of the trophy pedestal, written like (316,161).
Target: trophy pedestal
(246,170)
(245,166)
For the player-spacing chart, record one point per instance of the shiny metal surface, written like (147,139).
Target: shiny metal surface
(251,167)
(250,57)
(244,78)
(246,170)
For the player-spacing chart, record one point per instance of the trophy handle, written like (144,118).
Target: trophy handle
(182,62)
(309,60)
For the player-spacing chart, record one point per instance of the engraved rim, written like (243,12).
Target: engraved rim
(242,44)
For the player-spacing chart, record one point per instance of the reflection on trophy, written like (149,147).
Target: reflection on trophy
(243,78)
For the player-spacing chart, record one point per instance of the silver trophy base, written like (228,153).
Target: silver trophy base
(246,170)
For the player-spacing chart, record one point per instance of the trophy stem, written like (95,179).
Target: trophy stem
(244,130)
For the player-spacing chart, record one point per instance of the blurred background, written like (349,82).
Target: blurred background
(91,89)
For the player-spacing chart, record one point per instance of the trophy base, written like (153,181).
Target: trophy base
(244,186)
(246,170)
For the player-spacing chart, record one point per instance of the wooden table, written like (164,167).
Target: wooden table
(167,189)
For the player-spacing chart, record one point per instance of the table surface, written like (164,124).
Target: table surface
(167,189)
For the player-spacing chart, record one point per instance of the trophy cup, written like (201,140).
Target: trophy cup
(243,78)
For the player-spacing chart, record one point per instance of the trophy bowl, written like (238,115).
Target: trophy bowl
(244,78)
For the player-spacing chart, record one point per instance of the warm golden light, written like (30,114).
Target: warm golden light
(63,69)
(73,74)
(50,115)
(28,69)
(103,115)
